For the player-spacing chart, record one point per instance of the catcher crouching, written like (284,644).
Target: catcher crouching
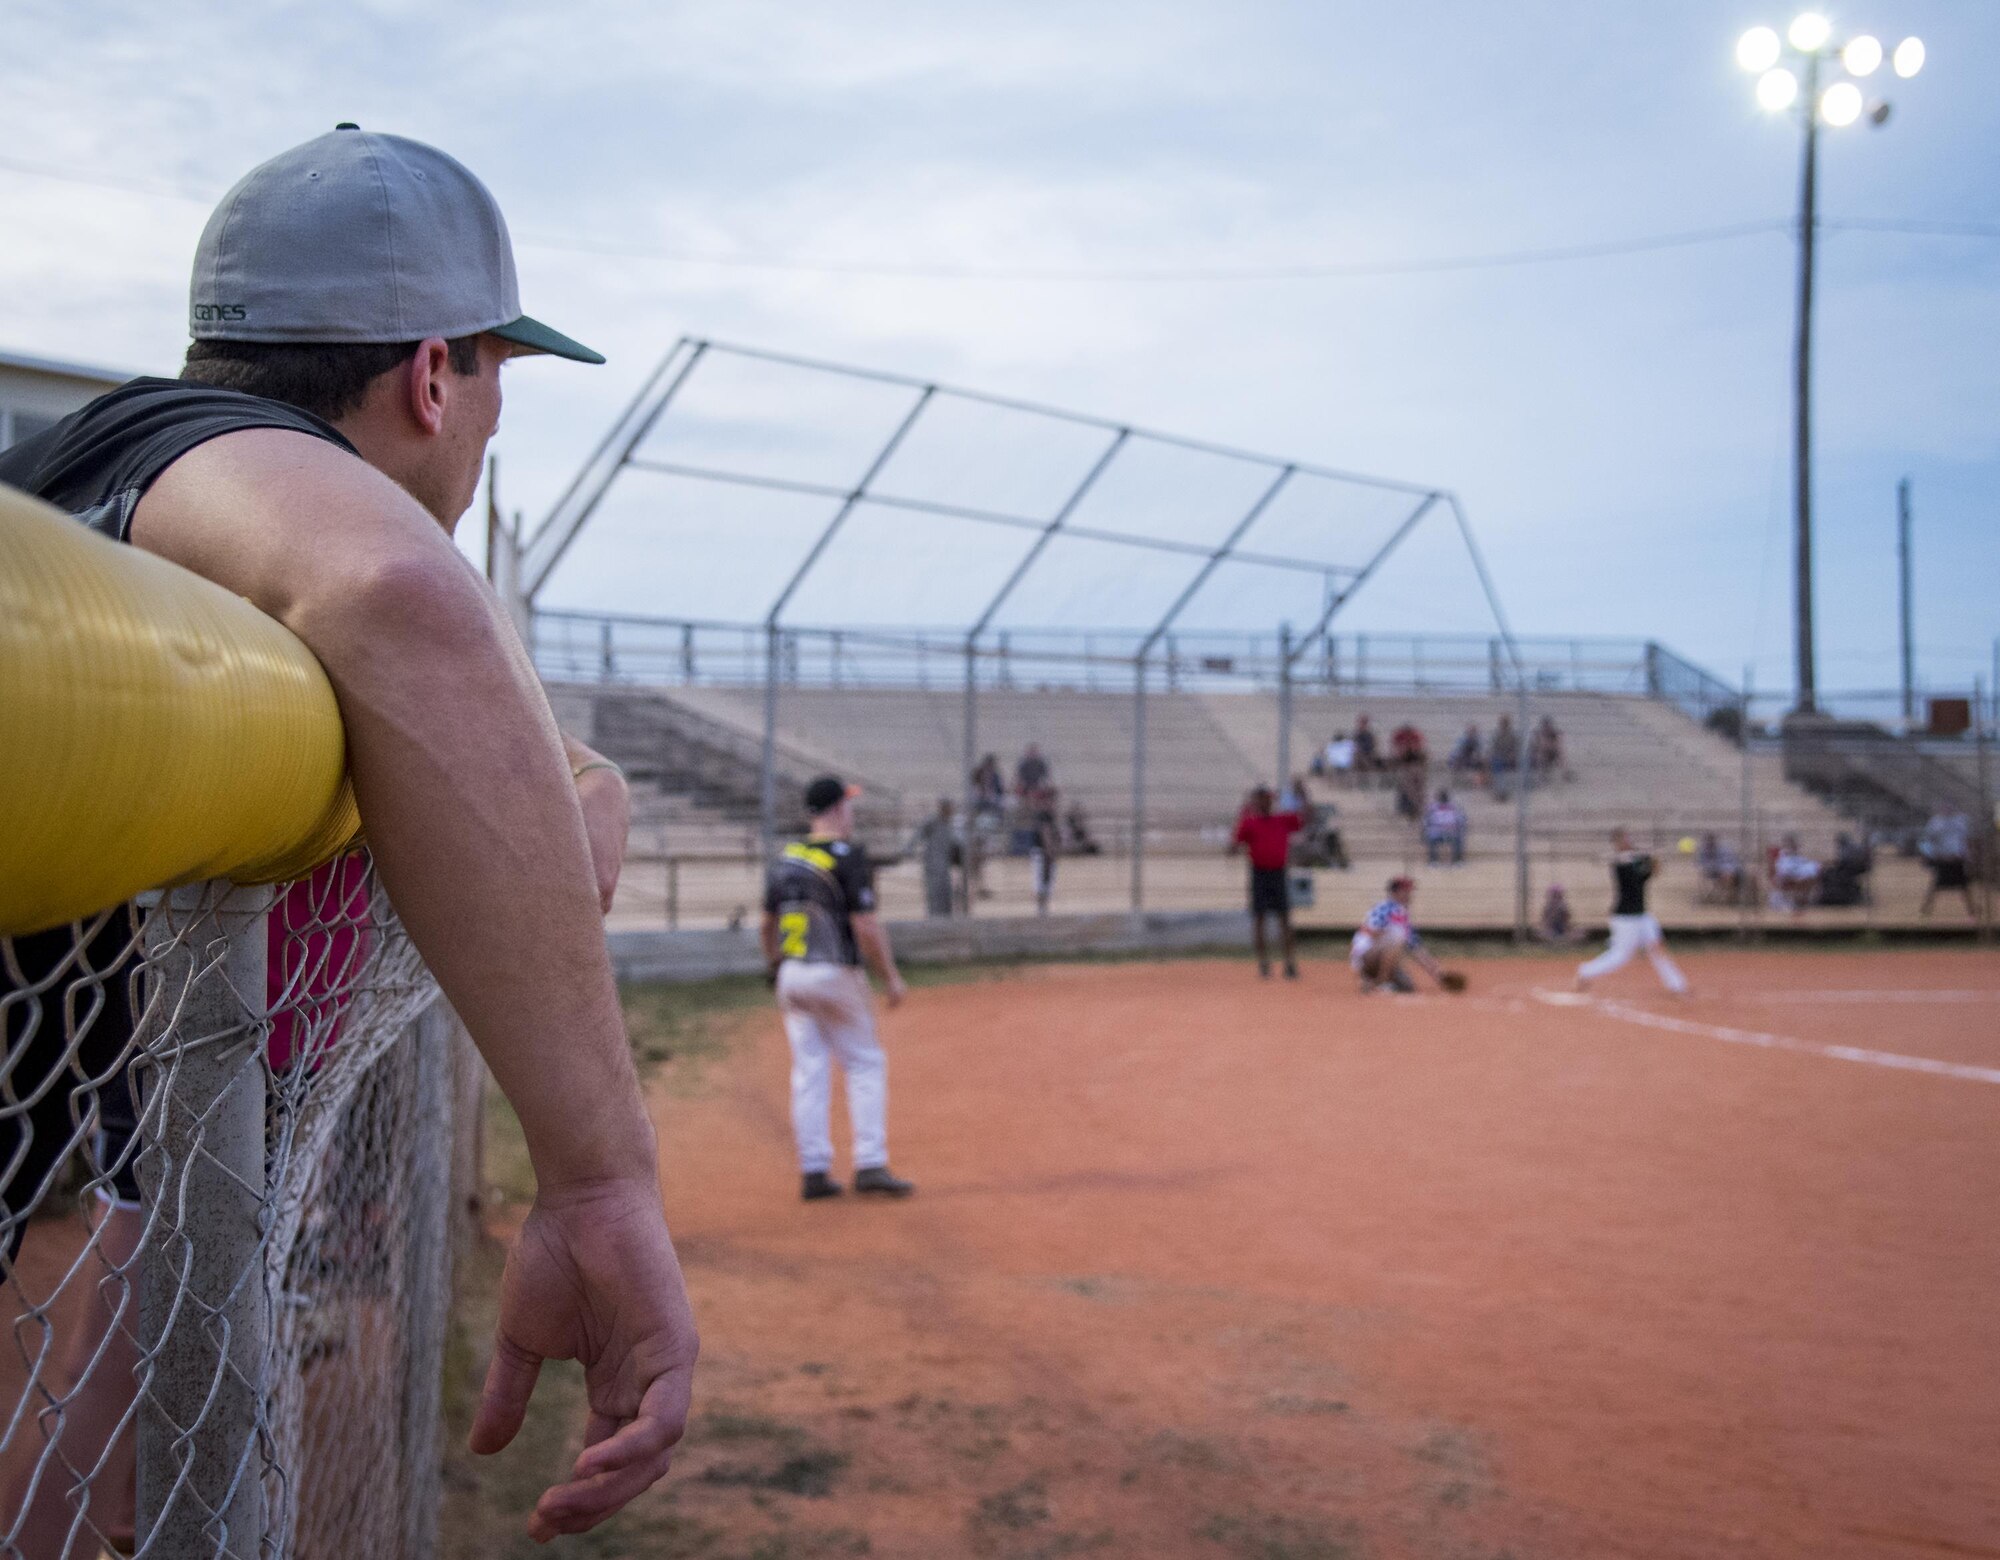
(1386,945)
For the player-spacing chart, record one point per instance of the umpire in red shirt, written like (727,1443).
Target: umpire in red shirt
(1267,835)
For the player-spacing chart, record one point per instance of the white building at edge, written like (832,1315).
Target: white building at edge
(37,392)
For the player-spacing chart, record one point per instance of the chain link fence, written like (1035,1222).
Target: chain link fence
(229,1121)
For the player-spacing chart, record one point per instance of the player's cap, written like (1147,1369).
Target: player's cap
(359,238)
(828,792)
(1398,884)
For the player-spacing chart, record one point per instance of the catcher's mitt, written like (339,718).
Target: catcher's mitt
(1453,981)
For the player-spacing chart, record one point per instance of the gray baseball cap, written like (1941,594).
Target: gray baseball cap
(359,237)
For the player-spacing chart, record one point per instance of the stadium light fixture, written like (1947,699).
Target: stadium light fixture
(1840,104)
(1758,49)
(1777,89)
(1863,56)
(1788,71)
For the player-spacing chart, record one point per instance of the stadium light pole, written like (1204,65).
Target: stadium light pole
(1788,73)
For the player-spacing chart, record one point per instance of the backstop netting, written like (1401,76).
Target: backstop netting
(227,1149)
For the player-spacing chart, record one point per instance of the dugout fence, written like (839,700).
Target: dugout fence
(236,1116)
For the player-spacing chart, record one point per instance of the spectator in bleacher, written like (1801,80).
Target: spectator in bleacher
(1444,830)
(1406,745)
(1503,756)
(1947,846)
(1468,758)
(989,790)
(1845,879)
(1336,758)
(1320,844)
(1794,877)
(1032,774)
(1046,849)
(1557,923)
(936,846)
(989,818)
(1721,871)
(1545,752)
(1410,783)
(1367,750)
(1077,838)
(1266,834)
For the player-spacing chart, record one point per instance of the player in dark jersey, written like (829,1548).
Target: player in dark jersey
(819,924)
(1633,929)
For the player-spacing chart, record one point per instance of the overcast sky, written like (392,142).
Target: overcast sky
(1618,428)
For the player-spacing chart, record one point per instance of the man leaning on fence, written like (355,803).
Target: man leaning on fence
(353,301)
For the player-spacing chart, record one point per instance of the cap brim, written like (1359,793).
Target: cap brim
(534,336)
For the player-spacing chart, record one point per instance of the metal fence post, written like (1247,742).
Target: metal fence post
(1522,771)
(1746,890)
(1988,866)
(969,761)
(1138,785)
(607,655)
(426,1258)
(1284,705)
(204,1304)
(767,814)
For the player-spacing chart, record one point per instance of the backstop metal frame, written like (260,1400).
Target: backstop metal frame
(619,451)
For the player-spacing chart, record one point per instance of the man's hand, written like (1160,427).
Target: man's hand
(894,990)
(593,1277)
(607,820)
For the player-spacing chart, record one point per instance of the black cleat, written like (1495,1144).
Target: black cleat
(817,1184)
(881,1181)
(1291,972)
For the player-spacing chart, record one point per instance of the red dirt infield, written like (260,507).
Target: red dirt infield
(1208,1266)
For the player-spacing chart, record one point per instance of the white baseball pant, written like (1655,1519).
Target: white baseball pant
(1633,934)
(827,1019)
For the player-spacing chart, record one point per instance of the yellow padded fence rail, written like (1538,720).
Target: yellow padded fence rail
(154,729)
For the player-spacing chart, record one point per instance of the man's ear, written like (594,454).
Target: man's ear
(426,385)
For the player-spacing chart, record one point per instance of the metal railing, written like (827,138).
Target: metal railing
(574,646)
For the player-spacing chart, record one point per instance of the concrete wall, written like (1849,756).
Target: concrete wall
(698,955)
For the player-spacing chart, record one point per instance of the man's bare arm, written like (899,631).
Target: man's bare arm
(873,941)
(455,759)
(767,939)
(607,813)
(475,825)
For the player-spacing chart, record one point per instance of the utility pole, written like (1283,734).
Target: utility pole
(1802,393)
(1909,631)
(1761,51)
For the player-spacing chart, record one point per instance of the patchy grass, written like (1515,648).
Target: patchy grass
(812,1473)
(680,1029)
(1026,1505)
(1265,1537)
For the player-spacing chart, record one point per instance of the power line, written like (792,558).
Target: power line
(920,270)
(1210,273)
(1913,226)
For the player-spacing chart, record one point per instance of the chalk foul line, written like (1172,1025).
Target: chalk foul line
(1771,1042)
